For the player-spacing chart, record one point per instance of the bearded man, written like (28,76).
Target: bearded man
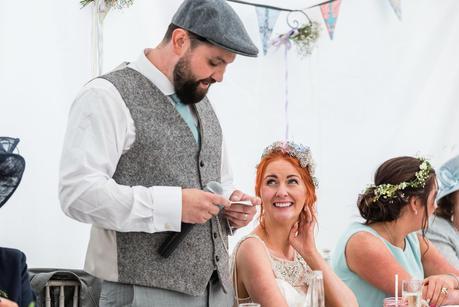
(142,143)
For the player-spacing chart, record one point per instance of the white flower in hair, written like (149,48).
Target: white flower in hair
(298,151)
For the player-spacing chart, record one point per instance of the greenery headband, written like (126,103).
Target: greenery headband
(298,151)
(387,190)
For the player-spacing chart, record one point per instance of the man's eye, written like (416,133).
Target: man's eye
(213,64)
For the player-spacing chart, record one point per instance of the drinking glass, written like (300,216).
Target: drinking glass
(249,305)
(316,295)
(412,292)
(390,302)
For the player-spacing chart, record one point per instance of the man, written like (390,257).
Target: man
(141,145)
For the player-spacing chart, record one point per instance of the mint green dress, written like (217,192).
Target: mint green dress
(367,295)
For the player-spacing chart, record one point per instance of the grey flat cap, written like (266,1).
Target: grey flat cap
(218,23)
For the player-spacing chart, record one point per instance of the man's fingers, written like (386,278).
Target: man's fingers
(238,215)
(219,200)
(241,209)
(205,217)
(237,223)
(237,195)
(213,209)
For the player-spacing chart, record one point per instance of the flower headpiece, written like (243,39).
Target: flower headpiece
(298,151)
(387,190)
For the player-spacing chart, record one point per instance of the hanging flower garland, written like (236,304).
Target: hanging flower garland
(118,4)
(305,38)
(100,11)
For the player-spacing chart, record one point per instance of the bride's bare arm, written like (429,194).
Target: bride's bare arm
(255,276)
(337,294)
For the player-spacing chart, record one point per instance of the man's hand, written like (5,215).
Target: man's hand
(199,206)
(241,215)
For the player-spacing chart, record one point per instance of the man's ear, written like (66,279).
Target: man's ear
(180,41)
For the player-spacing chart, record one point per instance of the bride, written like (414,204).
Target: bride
(273,265)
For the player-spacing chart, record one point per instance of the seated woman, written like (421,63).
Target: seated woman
(443,231)
(368,255)
(273,265)
(15,287)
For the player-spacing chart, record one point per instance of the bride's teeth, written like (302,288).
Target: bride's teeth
(282,205)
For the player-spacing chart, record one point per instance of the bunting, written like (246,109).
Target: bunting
(330,12)
(397,7)
(266,21)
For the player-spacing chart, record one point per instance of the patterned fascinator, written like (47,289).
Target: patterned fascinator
(448,177)
(298,151)
(11,168)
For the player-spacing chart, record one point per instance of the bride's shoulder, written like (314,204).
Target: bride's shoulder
(251,249)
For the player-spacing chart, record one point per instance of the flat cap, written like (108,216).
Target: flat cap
(218,23)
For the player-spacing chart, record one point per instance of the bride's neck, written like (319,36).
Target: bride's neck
(276,239)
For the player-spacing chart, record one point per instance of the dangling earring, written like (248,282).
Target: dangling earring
(415,211)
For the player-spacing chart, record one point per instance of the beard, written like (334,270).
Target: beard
(186,84)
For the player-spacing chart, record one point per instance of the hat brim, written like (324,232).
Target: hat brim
(248,53)
(11,170)
(240,52)
(442,193)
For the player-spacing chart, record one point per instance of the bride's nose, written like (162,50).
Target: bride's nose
(282,191)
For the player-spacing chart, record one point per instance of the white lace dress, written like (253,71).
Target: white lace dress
(292,277)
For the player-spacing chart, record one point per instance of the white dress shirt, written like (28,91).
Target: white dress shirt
(100,129)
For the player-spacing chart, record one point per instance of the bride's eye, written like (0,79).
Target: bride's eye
(292,181)
(271,182)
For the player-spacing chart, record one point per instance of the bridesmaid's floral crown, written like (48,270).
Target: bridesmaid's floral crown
(298,151)
(388,191)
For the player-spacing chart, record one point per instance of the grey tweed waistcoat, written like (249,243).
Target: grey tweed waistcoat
(165,153)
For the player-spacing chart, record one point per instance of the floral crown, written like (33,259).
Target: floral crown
(387,190)
(298,151)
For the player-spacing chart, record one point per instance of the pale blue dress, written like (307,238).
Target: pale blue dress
(367,295)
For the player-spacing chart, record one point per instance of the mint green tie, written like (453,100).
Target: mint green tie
(185,113)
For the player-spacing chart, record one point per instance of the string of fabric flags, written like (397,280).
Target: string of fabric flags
(267,17)
(304,36)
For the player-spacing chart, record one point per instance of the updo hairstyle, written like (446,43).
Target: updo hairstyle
(394,171)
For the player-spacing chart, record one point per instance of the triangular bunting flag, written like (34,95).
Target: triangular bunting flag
(397,6)
(330,13)
(266,21)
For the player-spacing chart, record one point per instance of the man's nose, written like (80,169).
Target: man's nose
(218,74)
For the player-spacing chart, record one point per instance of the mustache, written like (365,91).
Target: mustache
(208,80)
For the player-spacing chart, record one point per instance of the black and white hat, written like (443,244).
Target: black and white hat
(11,168)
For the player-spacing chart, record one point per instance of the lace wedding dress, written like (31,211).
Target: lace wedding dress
(292,277)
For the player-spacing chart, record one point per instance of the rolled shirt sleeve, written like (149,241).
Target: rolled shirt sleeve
(99,130)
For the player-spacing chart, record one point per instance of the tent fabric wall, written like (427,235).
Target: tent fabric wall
(381,88)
